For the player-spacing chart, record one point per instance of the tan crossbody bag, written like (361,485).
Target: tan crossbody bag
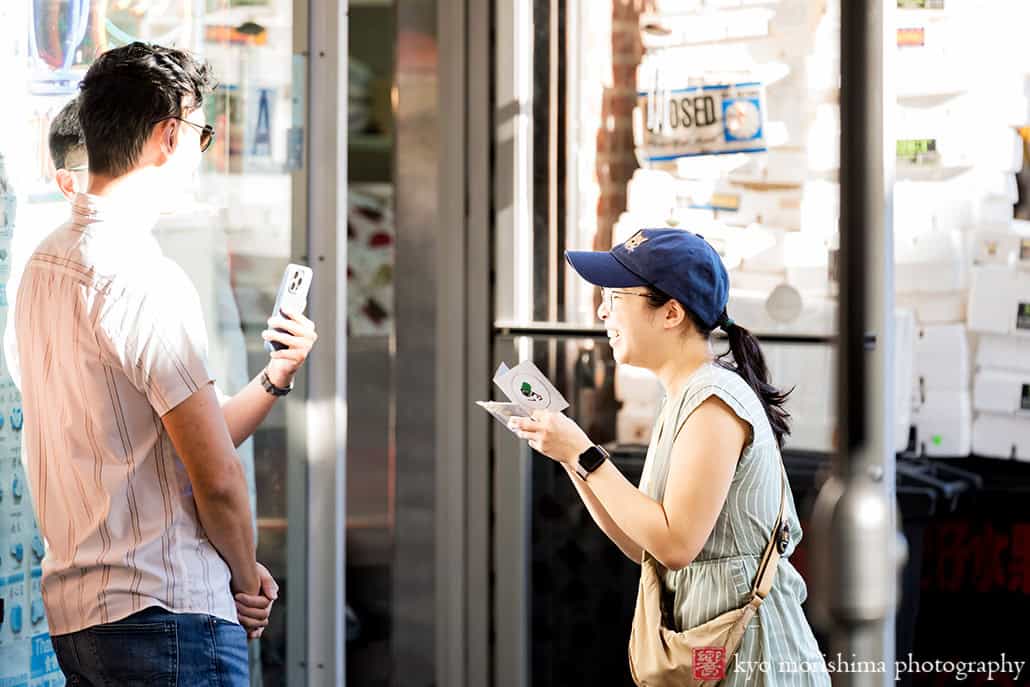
(660,657)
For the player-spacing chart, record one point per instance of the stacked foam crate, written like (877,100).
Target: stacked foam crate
(957,154)
(771,211)
(999,309)
(930,203)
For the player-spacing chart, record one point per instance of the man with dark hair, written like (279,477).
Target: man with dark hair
(68,151)
(150,567)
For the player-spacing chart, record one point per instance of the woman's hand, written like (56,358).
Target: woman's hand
(553,434)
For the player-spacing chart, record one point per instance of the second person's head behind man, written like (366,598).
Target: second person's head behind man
(68,151)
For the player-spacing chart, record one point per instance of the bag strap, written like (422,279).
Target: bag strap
(777,544)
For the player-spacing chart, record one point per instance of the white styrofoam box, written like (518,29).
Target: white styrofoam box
(1004,244)
(784,166)
(822,65)
(734,204)
(999,300)
(934,308)
(784,310)
(914,208)
(807,259)
(1004,392)
(824,139)
(944,424)
(934,262)
(1000,184)
(760,248)
(776,208)
(1017,110)
(924,206)
(1006,89)
(635,385)
(820,207)
(1002,149)
(942,358)
(1001,436)
(904,364)
(762,282)
(950,139)
(1003,353)
(931,58)
(931,117)
(811,371)
(991,210)
(648,188)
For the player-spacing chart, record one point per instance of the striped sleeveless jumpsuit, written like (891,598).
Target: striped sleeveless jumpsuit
(778,647)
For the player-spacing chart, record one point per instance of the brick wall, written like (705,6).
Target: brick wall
(615,161)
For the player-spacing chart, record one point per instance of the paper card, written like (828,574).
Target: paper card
(503,412)
(527,390)
(527,386)
(501,371)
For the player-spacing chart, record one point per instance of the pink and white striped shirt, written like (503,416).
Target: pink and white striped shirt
(110,337)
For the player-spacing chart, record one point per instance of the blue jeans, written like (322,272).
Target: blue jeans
(156,648)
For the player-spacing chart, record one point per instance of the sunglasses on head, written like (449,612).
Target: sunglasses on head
(207,132)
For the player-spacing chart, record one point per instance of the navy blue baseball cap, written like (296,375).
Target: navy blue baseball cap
(676,262)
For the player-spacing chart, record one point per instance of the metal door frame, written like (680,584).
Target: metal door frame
(316,499)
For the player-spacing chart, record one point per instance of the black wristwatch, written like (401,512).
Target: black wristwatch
(590,460)
(272,388)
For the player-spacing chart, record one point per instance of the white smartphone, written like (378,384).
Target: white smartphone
(292,295)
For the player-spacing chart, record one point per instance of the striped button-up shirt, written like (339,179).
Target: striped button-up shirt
(110,337)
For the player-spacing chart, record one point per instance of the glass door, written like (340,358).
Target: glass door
(233,239)
(718,118)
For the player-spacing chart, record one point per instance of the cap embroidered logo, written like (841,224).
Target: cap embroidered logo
(634,242)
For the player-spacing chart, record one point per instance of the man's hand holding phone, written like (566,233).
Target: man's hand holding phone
(290,335)
(297,334)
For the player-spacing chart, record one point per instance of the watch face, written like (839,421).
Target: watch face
(592,458)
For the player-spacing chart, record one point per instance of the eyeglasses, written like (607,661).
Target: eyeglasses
(607,296)
(207,132)
(78,168)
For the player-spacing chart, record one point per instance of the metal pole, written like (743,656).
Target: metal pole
(326,410)
(857,551)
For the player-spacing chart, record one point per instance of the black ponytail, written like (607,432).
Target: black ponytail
(747,361)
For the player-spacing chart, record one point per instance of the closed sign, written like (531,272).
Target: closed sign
(700,120)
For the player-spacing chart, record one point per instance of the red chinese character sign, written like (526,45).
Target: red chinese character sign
(709,663)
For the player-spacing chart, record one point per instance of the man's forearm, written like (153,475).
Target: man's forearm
(204,445)
(225,517)
(245,411)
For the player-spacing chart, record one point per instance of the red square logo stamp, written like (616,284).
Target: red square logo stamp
(709,663)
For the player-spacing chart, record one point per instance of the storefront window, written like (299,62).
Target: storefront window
(233,236)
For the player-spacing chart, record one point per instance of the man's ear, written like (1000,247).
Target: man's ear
(68,184)
(166,133)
